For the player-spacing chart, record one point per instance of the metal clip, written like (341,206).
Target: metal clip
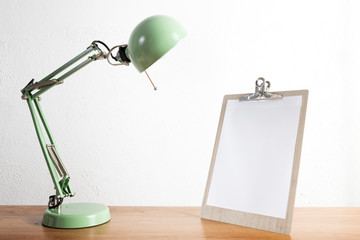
(261,91)
(54,202)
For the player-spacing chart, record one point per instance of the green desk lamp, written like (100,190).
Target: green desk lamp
(148,42)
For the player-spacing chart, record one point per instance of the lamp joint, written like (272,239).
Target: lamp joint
(120,55)
(98,56)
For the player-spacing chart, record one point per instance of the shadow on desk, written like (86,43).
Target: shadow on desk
(217,230)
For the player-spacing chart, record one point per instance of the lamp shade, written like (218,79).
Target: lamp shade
(151,39)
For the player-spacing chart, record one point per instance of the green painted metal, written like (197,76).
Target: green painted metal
(38,93)
(43,120)
(152,38)
(67,74)
(62,186)
(73,215)
(76,215)
(42,142)
(69,63)
(64,183)
(77,68)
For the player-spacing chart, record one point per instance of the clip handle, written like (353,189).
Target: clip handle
(261,86)
(261,91)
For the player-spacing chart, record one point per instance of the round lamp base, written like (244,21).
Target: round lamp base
(76,215)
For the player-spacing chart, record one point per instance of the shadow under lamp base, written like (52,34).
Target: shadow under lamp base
(76,215)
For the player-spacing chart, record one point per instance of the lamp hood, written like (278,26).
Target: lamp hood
(152,38)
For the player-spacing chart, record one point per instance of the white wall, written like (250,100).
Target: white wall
(125,144)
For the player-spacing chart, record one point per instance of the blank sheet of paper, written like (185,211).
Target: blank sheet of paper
(252,171)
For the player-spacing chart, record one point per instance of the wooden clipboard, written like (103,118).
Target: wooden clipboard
(255,162)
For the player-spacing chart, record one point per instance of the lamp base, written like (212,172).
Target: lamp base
(76,215)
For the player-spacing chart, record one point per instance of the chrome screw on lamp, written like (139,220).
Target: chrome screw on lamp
(148,42)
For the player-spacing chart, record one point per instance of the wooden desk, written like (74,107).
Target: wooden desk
(24,222)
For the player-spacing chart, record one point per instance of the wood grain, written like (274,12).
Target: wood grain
(253,220)
(150,223)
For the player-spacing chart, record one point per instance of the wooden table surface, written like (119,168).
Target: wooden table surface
(24,222)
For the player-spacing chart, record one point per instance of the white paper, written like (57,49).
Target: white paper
(253,166)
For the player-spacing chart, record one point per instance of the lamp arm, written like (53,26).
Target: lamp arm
(31,93)
(47,82)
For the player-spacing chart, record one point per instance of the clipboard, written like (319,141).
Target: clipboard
(255,162)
